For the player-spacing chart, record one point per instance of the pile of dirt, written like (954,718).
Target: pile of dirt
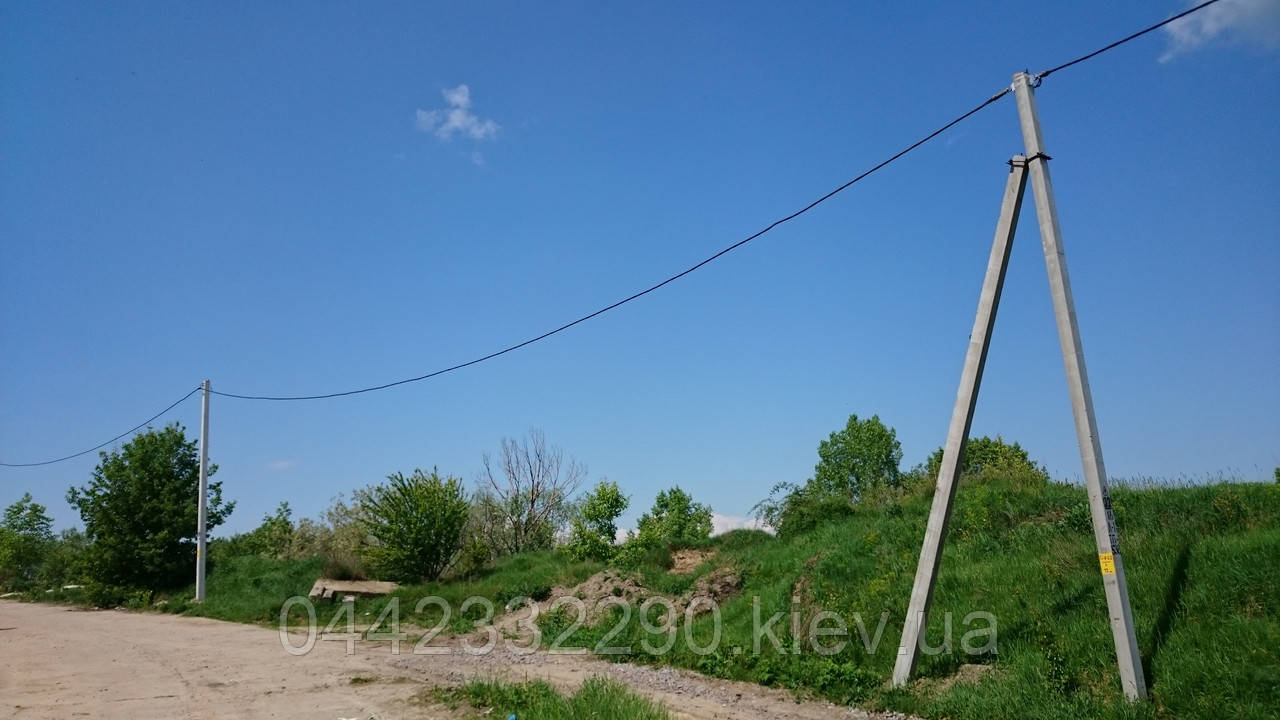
(686,561)
(593,592)
(602,585)
(597,595)
(715,586)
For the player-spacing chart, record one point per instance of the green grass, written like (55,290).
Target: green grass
(248,588)
(253,589)
(1203,568)
(1203,572)
(597,698)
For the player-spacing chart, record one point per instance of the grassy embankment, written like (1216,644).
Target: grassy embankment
(1203,568)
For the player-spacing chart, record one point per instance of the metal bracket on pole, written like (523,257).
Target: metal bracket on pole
(202,513)
(1110,563)
(961,418)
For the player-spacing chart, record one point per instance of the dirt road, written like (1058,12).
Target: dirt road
(57,662)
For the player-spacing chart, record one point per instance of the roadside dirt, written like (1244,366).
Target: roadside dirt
(57,662)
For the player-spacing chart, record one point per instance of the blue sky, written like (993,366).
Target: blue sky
(301,201)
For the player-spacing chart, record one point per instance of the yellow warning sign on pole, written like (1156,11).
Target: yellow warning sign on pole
(1108,563)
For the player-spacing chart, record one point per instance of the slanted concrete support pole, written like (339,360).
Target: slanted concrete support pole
(961,417)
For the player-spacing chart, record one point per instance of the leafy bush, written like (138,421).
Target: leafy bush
(65,561)
(637,552)
(273,538)
(801,509)
(139,510)
(596,526)
(415,524)
(106,595)
(985,457)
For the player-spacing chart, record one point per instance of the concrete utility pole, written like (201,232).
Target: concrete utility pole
(961,417)
(201,532)
(1095,473)
(1110,563)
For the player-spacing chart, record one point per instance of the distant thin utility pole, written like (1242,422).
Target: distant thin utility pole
(201,530)
(1036,164)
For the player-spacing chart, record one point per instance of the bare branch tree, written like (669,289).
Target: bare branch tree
(524,500)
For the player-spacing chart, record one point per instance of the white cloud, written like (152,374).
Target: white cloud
(456,117)
(721,524)
(281,464)
(1253,22)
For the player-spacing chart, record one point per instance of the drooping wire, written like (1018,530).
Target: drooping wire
(1039,76)
(642,293)
(137,427)
(1122,41)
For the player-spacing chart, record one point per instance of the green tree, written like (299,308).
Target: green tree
(26,534)
(414,523)
(675,520)
(862,456)
(984,456)
(596,526)
(139,511)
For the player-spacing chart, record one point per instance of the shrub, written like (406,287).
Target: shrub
(637,552)
(792,509)
(65,561)
(986,458)
(273,538)
(415,524)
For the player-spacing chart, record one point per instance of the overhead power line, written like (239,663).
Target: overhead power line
(644,292)
(1039,76)
(1118,43)
(731,248)
(130,431)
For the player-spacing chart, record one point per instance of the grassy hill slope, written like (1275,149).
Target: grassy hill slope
(1203,568)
